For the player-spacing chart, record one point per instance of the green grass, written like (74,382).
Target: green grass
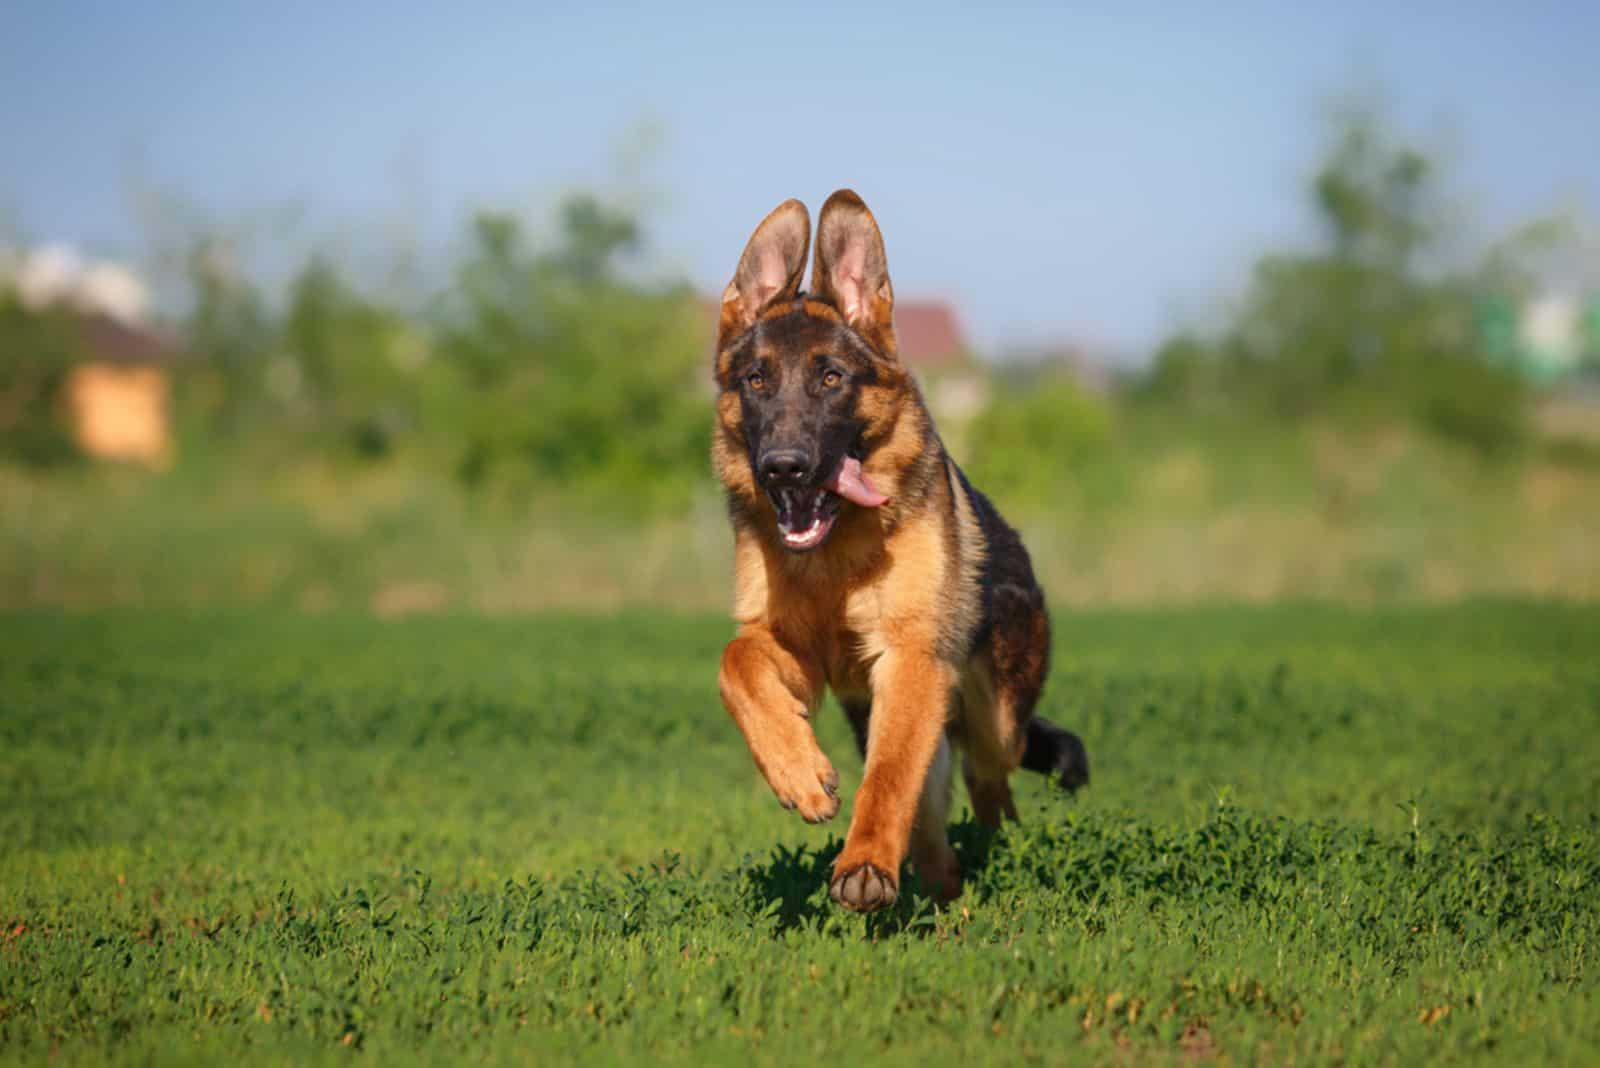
(1314,835)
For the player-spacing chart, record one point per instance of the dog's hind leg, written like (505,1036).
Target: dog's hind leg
(999,700)
(935,862)
(992,746)
(858,712)
(990,794)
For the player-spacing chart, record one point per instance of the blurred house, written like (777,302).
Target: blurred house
(1553,342)
(933,345)
(1548,339)
(117,396)
(930,335)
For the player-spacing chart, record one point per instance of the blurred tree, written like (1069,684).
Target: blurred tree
(551,362)
(230,328)
(594,237)
(1359,326)
(37,351)
(1035,429)
(576,373)
(1591,335)
(359,365)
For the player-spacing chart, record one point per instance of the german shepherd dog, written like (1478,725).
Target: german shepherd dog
(867,563)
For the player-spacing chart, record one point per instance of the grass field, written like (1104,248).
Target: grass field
(1314,835)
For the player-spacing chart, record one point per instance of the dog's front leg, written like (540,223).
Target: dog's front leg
(911,692)
(769,693)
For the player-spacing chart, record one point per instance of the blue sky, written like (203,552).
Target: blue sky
(1102,172)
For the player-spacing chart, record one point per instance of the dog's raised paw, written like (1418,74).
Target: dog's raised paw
(814,793)
(864,888)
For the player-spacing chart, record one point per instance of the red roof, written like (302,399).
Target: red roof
(107,338)
(928,331)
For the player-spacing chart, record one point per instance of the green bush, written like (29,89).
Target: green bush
(1358,328)
(1474,403)
(37,352)
(358,364)
(1034,435)
(574,375)
(545,368)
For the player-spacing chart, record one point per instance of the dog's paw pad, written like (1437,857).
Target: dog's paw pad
(864,888)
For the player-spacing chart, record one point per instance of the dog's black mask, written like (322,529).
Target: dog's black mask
(799,379)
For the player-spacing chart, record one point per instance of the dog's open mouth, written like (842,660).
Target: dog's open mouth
(806,516)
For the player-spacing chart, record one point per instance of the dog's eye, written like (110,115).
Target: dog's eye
(754,379)
(831,378)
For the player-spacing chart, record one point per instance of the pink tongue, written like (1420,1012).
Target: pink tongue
(851,483)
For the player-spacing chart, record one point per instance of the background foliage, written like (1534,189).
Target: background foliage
(527,423)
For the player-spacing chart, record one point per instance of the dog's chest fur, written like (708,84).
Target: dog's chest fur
(882,582)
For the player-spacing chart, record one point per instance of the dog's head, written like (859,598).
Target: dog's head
(807,382)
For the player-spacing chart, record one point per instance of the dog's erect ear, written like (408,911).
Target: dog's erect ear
(770,270)
(852,271)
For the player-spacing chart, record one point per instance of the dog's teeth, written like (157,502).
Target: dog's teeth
(809,534)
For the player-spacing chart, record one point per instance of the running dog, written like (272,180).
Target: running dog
(866,563)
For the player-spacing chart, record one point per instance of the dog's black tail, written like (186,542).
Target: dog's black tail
(1056,752)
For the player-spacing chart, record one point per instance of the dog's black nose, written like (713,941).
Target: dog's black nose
(785,465)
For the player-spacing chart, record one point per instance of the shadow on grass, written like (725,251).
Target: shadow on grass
(795,880)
